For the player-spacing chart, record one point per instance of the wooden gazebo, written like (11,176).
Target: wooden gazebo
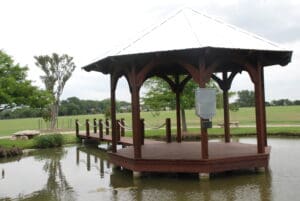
(177,58)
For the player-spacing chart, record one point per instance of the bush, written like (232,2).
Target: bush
(48,141)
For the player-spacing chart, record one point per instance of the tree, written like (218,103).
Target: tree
(15,89)
(58,69)
(281,102)
(245,98)
(159,96)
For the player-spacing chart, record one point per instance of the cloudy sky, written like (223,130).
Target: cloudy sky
(87,29)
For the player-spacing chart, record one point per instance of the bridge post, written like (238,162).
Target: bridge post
(87,128)
(168,130)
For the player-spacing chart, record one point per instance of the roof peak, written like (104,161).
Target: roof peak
(188,28)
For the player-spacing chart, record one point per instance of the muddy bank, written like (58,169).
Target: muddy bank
(9,152)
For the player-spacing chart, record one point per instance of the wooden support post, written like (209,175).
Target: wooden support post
(106,127)
(142,127)
(226,116)
(264,106)
(77,127)
(113,113)
(122,127)
(204,141)
(178,117)
(136,121)
(226,107)
(118,132)
(100,129)
(95,125)
(259,109)
(204,135)
(87,128)
(168,130)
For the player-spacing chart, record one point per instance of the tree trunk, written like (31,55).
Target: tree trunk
(54,113)
(183,120)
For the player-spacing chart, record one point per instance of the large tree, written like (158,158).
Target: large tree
(15,89)
(58,69)
(245,98)
(159,96)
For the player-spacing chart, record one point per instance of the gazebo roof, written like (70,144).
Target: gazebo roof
(189,31)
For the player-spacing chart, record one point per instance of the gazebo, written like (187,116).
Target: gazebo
(191,45)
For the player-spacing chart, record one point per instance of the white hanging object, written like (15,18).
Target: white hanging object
(205,101)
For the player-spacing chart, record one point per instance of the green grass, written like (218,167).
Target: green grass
(289,115)
(32,143)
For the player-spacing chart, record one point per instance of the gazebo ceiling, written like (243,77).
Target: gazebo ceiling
(189,36)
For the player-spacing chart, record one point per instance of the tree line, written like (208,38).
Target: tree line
(246,98)
(70,106)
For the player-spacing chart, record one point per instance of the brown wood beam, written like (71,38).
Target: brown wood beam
(264,107)
(95,125)
(226,111)
(142,126)
(168,130)
(132,76)
(87,128)
(178,117)
(204,75)
(77,127)
(122,127)
(135,101)
(113,82)
(225,85)
(106,127)
(255,73)
(100,129)
(118,131)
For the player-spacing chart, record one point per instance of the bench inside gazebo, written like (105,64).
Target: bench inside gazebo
(190,45)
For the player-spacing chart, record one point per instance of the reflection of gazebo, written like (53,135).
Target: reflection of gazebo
(190,45)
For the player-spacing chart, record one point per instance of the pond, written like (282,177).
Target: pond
(83,173)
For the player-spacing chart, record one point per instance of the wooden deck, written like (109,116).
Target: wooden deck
(158,156)
(186,157)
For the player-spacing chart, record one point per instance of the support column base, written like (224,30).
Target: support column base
(136,175)
(204,176)
(260,169)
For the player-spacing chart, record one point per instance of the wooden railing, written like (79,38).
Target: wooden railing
(99,128)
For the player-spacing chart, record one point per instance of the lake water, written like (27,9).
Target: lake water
(83,173)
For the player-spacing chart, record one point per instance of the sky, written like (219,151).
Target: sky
(88,29)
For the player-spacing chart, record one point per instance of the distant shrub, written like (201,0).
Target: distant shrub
(48,141)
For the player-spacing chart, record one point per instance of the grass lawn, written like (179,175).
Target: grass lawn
(279,115)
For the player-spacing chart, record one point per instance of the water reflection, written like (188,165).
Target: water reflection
(242,185)
(56,187)
(83,173)
(3,174)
